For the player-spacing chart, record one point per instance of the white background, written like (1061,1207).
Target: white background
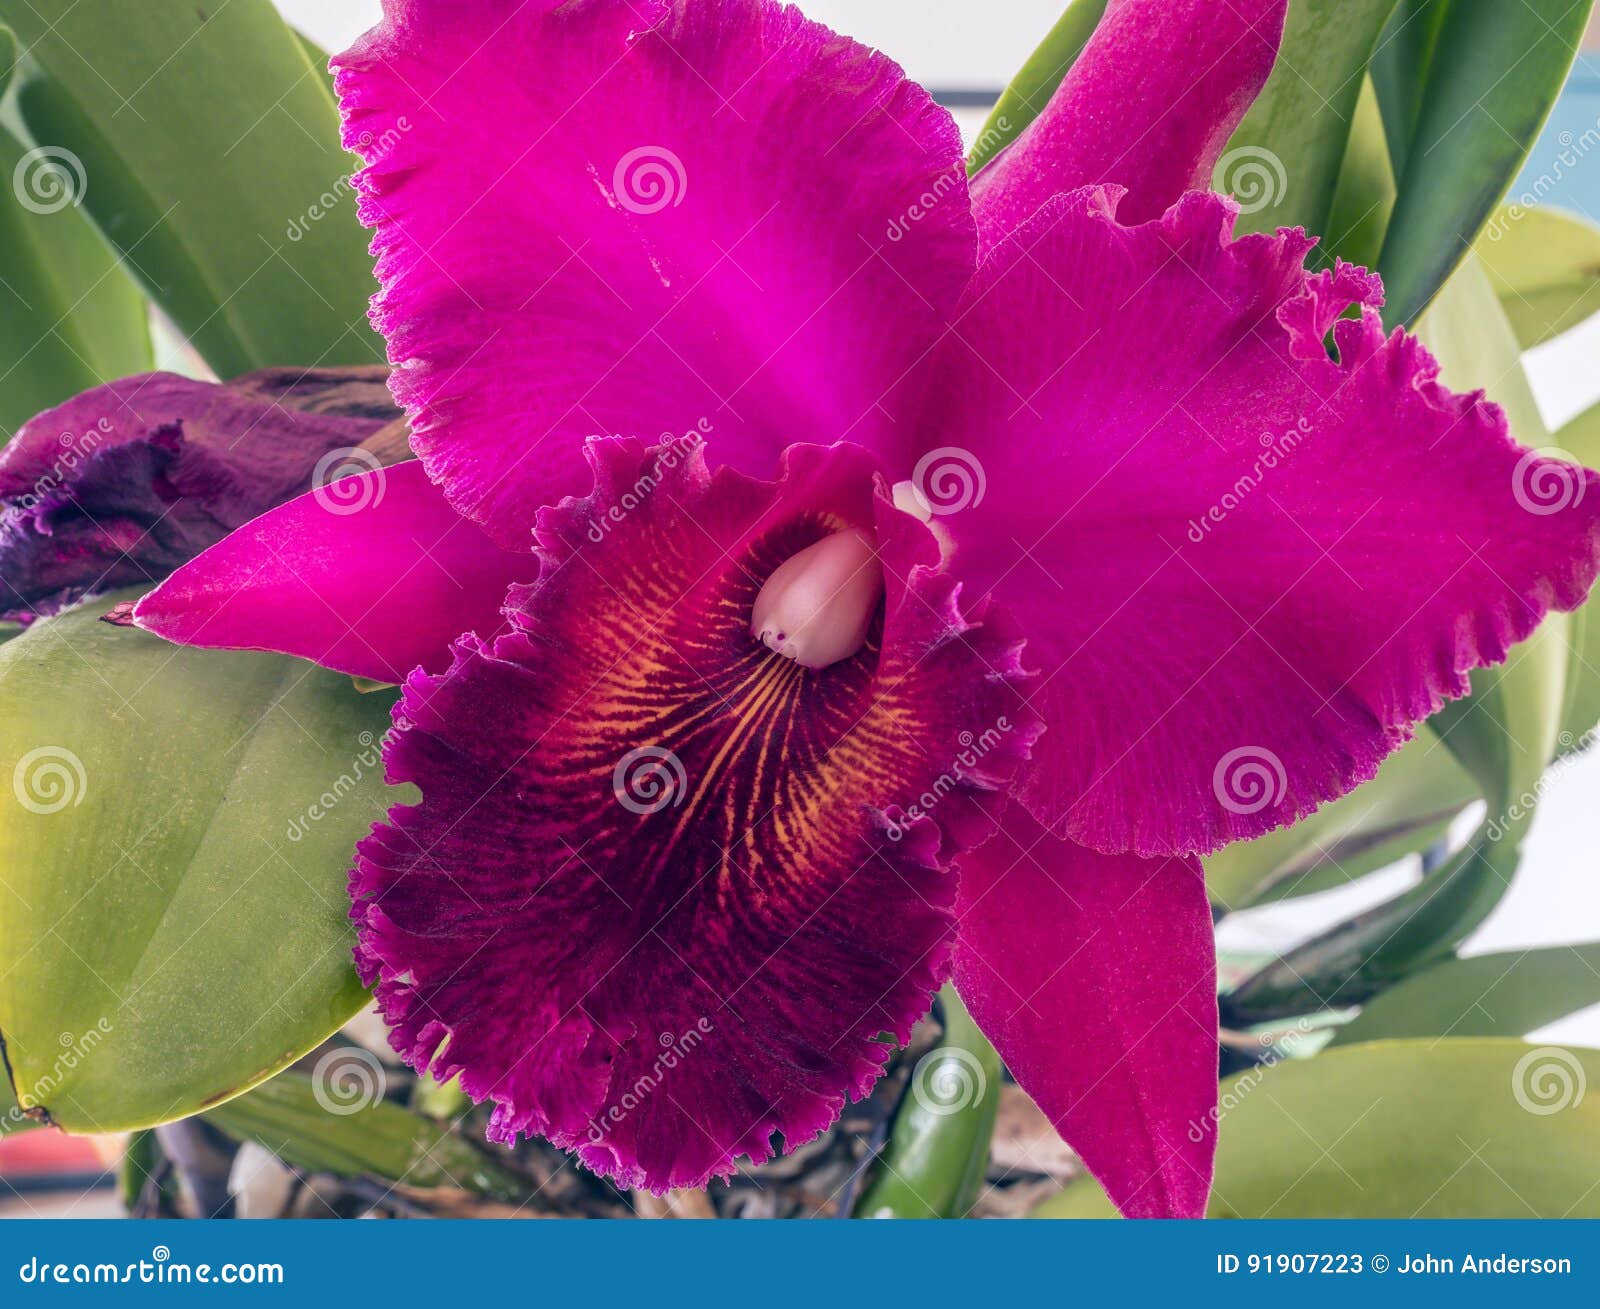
(967,44)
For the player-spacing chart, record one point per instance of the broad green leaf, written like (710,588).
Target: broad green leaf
(175,829)
(1405,50)
(1545,267)
(310,1127)
(1366,193)
(1582,438)
(1285,160)
(1037,80)
(1404,1129)
(1508,994)
(938,1144)
(1416,787)
(1504,735)
(209,146)
(1477,83)
(70,317)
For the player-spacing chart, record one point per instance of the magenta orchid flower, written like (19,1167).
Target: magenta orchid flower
(940,636)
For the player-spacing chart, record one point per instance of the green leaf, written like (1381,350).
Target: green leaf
(208,144)
(1285,160)
(1404,1129)
(1508,994)
(290,1116)
(1581,437)
(938,1144)
(1476,83)
(1545,267)
(175,830)
(1037,80)
(1364,201)
(70,317)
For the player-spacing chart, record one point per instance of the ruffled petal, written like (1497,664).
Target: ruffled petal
(700,215)
(665,889)
(1149,105)
(1095,978)
(1245,570)
(120,485)
(373,575)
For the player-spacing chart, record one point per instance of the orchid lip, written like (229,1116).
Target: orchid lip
(817,605)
